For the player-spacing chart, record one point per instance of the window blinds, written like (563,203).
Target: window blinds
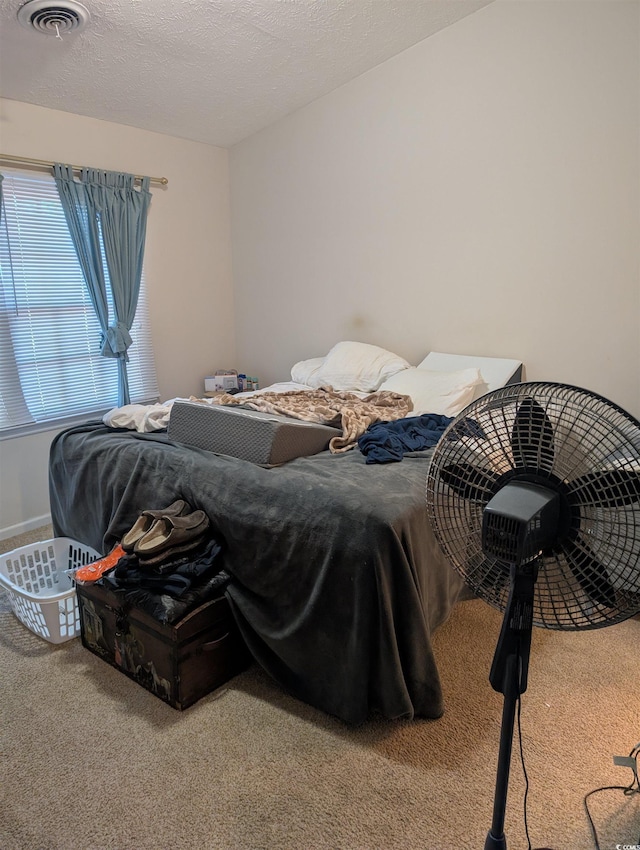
(50,362)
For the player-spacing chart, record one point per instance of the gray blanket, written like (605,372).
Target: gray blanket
(337,580)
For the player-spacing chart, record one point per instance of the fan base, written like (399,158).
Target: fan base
(493,843)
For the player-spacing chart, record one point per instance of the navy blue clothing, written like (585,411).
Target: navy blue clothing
(387,442)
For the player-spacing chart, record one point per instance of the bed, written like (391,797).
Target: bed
(337,582)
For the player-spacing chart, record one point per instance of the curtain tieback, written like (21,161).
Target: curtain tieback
(116,341)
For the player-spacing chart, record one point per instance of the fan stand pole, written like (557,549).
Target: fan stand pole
(496,839)
(508,676)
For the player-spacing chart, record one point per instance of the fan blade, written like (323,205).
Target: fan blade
(612,488)
(469,481)
(466,428)
(532,437)
(490,578)
(590,573)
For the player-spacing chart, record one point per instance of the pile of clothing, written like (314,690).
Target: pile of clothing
(167,564)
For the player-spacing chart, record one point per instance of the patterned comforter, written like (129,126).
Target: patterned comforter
(348,411)
(351,412)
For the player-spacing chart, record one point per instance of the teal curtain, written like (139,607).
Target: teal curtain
(106,213)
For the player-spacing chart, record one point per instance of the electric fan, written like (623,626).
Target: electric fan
(533,492)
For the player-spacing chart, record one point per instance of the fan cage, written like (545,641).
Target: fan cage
(569,438)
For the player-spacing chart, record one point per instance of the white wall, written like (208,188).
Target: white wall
(478,193)
(187,266)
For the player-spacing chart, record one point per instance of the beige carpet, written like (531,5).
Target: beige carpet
(92,761)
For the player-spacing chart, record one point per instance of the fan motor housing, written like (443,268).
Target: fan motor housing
(519,521)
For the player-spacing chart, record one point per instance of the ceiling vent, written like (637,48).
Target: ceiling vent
(53,17)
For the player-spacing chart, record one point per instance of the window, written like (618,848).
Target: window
(51,368)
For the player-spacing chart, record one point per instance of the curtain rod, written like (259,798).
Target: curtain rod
(7,159)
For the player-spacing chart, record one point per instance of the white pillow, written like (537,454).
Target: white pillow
(353,366)
(496,371)
(444,393)
(304,371)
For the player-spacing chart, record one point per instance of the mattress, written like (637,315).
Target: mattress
(264,438)
(337,580)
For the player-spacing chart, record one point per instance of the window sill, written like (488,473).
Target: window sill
(57,424)
(52,425)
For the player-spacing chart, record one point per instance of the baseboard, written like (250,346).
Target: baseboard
(24,527)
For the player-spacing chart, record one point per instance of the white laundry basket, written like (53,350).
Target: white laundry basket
(42,595)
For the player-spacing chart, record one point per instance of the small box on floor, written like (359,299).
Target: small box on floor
(179,663)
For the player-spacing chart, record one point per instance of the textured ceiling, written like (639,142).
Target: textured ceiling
(212,71)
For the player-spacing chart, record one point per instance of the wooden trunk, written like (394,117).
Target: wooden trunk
(178,663)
